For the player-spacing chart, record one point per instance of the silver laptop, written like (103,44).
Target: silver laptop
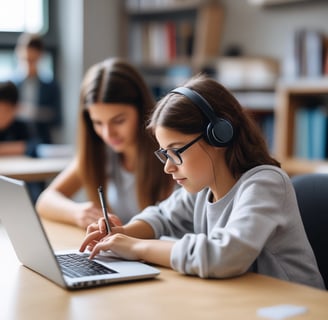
(33,248)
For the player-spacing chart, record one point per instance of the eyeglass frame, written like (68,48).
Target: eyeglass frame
(176,151)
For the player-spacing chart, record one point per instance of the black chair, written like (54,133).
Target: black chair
(312,197)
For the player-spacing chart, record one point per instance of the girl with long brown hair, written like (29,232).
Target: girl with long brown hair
(114,150)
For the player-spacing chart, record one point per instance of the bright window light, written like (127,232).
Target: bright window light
(23,16)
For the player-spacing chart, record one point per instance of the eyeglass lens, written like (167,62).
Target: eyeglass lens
(172,155)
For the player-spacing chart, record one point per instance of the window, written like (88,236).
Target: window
(24,16)
(17,16)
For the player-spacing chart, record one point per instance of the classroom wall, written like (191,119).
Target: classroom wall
(70,63)
(90,32)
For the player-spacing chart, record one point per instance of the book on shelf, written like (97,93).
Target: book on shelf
(310,134)
(313,53)
(170,33)
(160,42)
(319,133)
(267,127)
(184,39)
(136,43)
(308,53)
(325,55)
(301,133)
(157,43)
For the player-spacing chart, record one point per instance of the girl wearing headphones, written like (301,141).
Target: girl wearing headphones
(237,210)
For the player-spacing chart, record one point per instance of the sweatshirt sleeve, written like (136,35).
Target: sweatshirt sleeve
(172,217)
(242,228)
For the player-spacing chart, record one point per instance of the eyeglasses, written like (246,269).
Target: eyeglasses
(173,154)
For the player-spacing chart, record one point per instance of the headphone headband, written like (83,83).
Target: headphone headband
(219,132)
(198,100)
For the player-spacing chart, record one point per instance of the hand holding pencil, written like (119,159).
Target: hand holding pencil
(99,230)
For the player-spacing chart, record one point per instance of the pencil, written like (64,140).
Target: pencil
(102,202)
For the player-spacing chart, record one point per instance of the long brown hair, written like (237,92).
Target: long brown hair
(115,81)
(248,148)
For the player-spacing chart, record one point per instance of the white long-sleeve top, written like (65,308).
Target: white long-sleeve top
(256,226)
(122,190)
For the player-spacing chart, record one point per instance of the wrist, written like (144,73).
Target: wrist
(118,229)
(141,248)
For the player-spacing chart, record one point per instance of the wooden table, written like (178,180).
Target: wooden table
(32,169)
(26,295)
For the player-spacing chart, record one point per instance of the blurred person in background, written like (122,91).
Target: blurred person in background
(39,97)
(15,137)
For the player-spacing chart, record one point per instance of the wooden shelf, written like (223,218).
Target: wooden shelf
(165,39)
(300,166)
(291,96)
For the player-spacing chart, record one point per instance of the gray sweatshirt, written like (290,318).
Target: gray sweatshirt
(256,226)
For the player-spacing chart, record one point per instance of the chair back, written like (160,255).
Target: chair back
(312,197)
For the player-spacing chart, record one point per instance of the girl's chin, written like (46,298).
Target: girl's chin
(118,148)
(189,188)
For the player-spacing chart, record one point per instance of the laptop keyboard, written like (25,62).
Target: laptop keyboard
(75,265)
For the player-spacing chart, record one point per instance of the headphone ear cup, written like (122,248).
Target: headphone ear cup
(219,133)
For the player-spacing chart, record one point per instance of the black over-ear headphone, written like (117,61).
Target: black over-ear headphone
(219,132)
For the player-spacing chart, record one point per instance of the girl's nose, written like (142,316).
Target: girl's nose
(106,131)
(169,166)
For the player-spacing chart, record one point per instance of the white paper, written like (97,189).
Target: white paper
(281,311)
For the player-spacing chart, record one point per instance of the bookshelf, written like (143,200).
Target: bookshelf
(252,80)
(291,133)
(170,40)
